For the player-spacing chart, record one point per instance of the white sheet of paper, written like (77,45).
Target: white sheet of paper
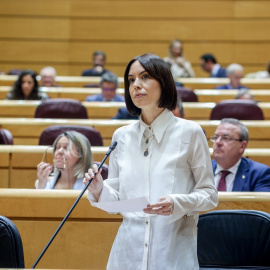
(134,205)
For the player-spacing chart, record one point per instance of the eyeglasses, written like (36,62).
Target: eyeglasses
(44,157)
(223,139)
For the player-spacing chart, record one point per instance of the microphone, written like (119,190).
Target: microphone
(111,148)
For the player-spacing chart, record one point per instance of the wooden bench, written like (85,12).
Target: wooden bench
(193,83)
(211,95)
(107,110)
(18,163)
(26,131)
(204,95)
(85,240)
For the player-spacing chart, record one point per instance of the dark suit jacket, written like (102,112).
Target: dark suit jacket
(99,97)
(227,86)
(92,72)
(123,114)
(220,74)
(250,176)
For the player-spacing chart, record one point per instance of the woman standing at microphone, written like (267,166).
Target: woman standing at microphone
(72,158)
(165,159)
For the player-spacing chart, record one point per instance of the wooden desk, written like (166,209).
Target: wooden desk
(18,164)
(211,83)
(79,93)
(65,81)
(26,131)
(193,83)
(85,240)
(107,110)
(204,95)
(211,95)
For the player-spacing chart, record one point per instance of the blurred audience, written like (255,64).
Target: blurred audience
(210,65)
(108,85)
(26,88)
(72,157)
(180,67)
(260,74)
(47,77)
(244,94)
(235,74)
(233,172)
(99,61)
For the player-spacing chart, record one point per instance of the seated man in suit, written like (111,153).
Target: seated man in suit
(232,172)
(210,65)
(124,114)
(235,74)
(108,85)
(99,60)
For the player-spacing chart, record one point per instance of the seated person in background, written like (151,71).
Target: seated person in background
(233,172)
(260,74)
(26,88)
(47,77)
(244,94)
(210,65)
(235,74)
(180,67)
(71,157)
(123,112)
(99,60)
(108,85)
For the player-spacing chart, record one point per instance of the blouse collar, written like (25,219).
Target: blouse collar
(158,126)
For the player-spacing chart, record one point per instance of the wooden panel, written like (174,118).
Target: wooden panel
(35,27)
(88,233)
(212,95)
(252,9)
(86,238)
(35,8)
(159,9)
(42,52)
(4,178)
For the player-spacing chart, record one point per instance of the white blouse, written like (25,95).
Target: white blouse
(178,164)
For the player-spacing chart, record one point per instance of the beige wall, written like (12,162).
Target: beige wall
(64,33)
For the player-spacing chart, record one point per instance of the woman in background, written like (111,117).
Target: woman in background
(180,67)
(26,88)
(72,158)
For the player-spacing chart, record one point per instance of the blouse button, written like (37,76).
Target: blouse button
(185,216)
(146,245)
(146,222)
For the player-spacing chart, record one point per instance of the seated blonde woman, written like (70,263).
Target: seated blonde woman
(72,157)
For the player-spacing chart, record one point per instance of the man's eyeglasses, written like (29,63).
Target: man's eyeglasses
(223,139)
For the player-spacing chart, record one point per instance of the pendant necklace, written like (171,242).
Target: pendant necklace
(147,141)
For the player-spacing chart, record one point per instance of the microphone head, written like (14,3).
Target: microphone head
(113,145)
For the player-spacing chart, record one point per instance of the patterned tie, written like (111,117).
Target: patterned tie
(222,181)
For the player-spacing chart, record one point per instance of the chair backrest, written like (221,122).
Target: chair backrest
(11,248)
(234,238)
(49,135)
(105,170)
(186,94)
(6,137)
(61,108)
(239,109)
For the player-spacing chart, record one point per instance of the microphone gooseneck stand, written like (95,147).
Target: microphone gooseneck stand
(111,148)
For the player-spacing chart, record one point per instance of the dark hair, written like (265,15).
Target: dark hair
(159,70)
(208,56)
(96,53)
(17,93)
